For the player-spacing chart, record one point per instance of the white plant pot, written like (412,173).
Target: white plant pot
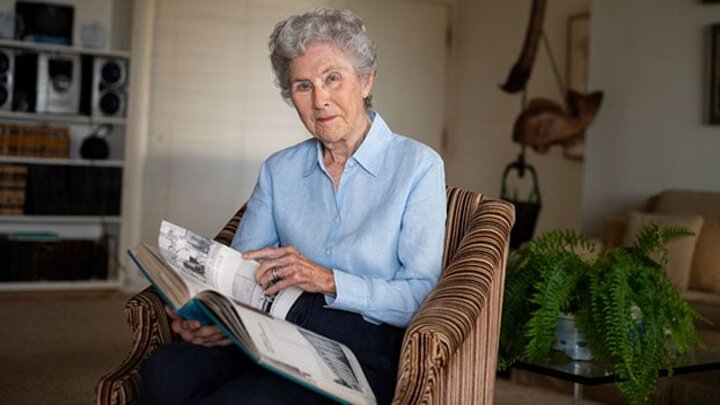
(569,340)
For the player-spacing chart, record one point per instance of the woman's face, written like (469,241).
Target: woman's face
(328,95)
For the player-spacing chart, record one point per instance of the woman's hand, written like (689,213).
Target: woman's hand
(191,331)
(291,268)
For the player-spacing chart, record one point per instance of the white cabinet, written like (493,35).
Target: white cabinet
(70,226)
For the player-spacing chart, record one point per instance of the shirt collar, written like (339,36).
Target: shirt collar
(370,153)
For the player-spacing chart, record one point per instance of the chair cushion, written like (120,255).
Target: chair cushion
(705,272)
(680,252)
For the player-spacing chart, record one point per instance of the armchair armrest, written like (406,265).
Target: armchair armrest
(146,315)
(461,305)
(145,312)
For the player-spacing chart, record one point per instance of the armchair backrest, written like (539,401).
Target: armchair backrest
(449,352)
(226,235)
(461,206)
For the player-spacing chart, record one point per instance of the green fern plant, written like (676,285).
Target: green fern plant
(624,304)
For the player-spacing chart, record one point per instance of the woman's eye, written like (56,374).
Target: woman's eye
(333,77)
(302,86)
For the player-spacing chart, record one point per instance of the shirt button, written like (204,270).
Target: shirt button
(335,220)
(328,251)
(351,164)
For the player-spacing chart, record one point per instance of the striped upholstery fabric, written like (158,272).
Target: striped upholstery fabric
(449,353)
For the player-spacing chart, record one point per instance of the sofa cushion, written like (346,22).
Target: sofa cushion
(707,304)
(686,202)
(701,297)
(705,271)
(680,252)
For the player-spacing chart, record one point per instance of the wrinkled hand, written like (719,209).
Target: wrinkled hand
(192,331)
(292,268)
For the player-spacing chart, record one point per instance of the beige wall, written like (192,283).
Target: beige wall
(650,58)
(489,36)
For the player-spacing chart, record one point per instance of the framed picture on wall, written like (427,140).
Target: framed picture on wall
(714,75)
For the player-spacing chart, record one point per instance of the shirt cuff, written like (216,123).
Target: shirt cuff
(350,292)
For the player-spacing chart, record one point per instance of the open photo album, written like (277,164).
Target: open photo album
(207,281)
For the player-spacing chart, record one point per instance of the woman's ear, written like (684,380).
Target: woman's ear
(367,84)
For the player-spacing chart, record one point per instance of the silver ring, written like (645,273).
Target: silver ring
(275,276)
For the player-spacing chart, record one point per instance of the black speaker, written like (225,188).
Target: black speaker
(109,87)
(58,83)
(7,77)
(25,81)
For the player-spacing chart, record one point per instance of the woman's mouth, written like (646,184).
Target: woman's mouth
(324,120)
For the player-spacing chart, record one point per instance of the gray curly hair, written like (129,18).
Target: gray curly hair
(342,28)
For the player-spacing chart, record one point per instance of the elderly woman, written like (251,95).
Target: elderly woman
(353,216)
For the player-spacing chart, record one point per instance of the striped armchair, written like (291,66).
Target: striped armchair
(449,352)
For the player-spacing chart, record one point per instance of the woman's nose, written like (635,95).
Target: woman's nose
(320,96)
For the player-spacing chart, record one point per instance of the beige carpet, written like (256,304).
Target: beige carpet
(508,393)
(57,345)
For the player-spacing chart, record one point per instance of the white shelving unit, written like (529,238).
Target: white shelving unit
(40,47)
(60,162)
(59,118)
(60,285)
(25,223)
(60,219)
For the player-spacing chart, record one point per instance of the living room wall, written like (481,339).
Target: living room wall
(649,56)
(488,38)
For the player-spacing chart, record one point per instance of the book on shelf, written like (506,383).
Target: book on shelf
(45,256)
(73,190)
(34,140)
(204,280)
(13,179)
(57,142)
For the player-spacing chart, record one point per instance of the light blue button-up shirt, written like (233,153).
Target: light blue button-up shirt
(381,232)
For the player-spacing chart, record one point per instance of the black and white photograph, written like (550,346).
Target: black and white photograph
(334,358)
(187,249)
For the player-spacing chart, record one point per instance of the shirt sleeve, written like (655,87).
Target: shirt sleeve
(257,227)
(420,249)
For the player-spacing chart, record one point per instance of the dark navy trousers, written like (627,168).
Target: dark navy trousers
(182,372)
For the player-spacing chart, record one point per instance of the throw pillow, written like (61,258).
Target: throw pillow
(705,273)
(680,252)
